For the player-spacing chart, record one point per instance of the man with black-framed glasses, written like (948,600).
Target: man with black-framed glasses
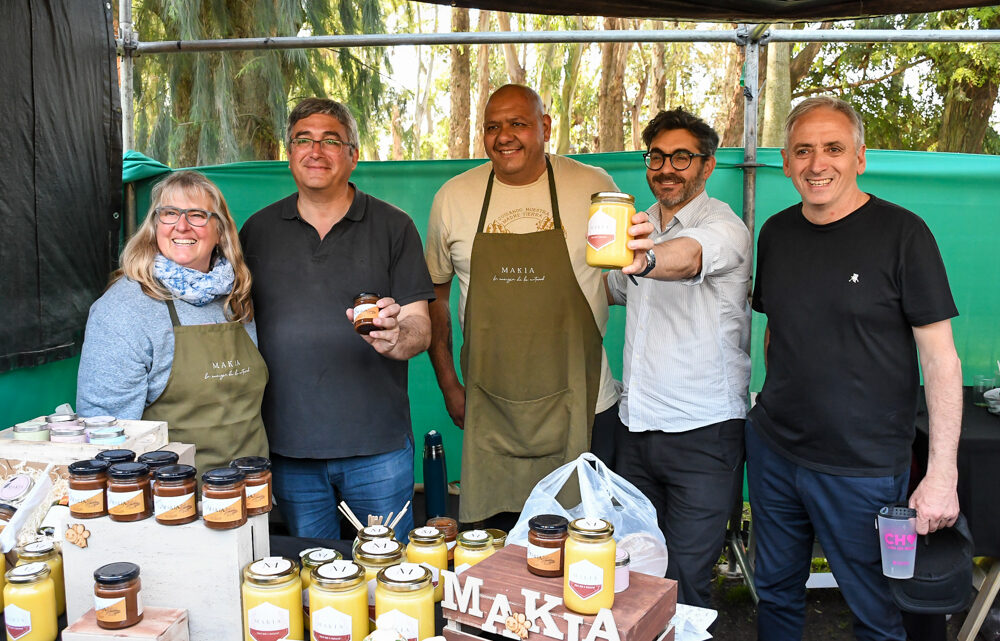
(686,361)
(336,407)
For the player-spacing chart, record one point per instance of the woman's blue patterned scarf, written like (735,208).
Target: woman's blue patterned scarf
(191,285)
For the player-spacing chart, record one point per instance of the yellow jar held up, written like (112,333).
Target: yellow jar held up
(46,552)
(272,600)
(404,601)
(607,230)
(338,598)
(427,547)
(374,556)
(589,579)
(30,604)
(473,546)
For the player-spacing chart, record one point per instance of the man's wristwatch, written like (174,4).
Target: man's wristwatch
(650,263)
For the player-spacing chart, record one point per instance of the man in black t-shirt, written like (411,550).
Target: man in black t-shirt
(336,408)
(853,288)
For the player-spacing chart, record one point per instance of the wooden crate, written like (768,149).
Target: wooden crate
(182,566)
(140,437)
(158,624)
(640,613)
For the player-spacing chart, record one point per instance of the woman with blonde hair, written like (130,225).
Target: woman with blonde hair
(173,337)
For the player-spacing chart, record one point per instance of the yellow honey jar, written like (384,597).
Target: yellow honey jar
(313,559)
(272,600)
(473,546)
(404,601)
(374,556)
(607,229)
(427,547)
(371,533)
(338,596)
(46,552)
(30,603)
(589,578)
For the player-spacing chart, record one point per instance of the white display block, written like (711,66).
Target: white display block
(158,624)
(140,437)
(181,566)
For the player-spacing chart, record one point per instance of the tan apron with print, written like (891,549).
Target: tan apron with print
(531,362)
(212,398)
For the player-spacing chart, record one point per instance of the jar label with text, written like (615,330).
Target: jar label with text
(329,624)
(86,501)
(110,610)
(542,558)
(268,622)
(365,311)
(173,508)
(18,621)
(256,496)
(585,579)
(601,230)
(123,503)
(221,510)
(371,600)
(404,624)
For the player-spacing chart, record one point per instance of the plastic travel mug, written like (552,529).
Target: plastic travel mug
(897,535)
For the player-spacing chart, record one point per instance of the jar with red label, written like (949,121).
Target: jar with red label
(272,600)
(257,472)
(88,482)
(223,498)
(117,595)
(130,498)
(589,566)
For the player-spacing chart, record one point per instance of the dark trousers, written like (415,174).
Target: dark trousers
(605,435)
(793,504)
(690,478)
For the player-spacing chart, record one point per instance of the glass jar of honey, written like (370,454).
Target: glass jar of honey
(371,533)
(473,547)
(449,527)
(589,579)
(88,482)
(30,603)
(546,543)
(257,472)
(130,498)
(607,230)
(373,556)
(223,498)
(174,495)
(45,551)
(117,595)
(338,597)
(310,560)
(272,600)
(365,312)
(427,548)
(404,601)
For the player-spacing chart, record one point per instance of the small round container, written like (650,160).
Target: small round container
(66,433)
(15,488)
(117,595)
(365,312)
(546,544)
(499,537)
(94,422)
(111,435)
(88,482)
(116,456)
(66,418)
(130,497)
(174,495)
(31,431)
(449,526)
(622,562)
(157,459)
(371,533)
(257,472)
(223,498)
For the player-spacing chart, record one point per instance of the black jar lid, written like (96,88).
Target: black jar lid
(548,523)
(175,472)
(128,471)
(116,572)
(116,456)
(93,466)
(251,464)
(158,458)
(8,507)
(222,476)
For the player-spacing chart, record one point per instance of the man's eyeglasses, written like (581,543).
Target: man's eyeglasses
(172,215)
(327,144)
(679,160)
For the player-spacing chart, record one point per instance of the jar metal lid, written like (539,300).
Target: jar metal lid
(621,558)
(105,433)
(251,464)
(591,529)
(29,572)
(40,548)
(404,577)
(550,524)
(499,537)
(320,556)
(446,524)
(427,535)
(376,532)
(100,421)
(93,466)
(116,456)
(380,551)
(271,570)
(128,471)
(612,196)
(475,539)
(159,458)
(16,487)
(340,574)
(223,476)
(31,427)
(60,418)
(175,472)
(66,430)
(116,572)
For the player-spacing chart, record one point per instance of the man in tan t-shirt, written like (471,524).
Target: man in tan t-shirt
(533,312)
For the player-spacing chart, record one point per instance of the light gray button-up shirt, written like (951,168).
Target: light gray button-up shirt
(687,342)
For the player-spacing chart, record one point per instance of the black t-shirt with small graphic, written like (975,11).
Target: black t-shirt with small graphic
(841,300)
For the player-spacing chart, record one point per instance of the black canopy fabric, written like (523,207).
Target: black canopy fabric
(721,10)
(60,173)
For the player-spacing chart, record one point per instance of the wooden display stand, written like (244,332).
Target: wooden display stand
(640,613)
(158,624)
(140,437)
(181,566)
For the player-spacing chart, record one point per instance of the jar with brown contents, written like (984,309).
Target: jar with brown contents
(223,498)
(257,471)
(157,459)
(449,527)
(546,543)
(174,495)
(365,311)
(130,497)
(88,482)
(117,595)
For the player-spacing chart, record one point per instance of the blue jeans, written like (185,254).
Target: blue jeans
(308,491)
(791,504)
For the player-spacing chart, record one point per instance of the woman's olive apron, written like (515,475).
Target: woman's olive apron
(531,362)
(212,398)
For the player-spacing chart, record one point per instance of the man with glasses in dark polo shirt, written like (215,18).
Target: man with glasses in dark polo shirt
(336,407)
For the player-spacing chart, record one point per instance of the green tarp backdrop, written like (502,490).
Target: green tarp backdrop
(956,194)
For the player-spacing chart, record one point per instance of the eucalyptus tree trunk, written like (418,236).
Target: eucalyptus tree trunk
(483,86)
(611,133)
(574,54)
(458,142)
(778,101)
(515,70)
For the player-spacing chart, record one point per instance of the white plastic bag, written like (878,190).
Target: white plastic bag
(603,495)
